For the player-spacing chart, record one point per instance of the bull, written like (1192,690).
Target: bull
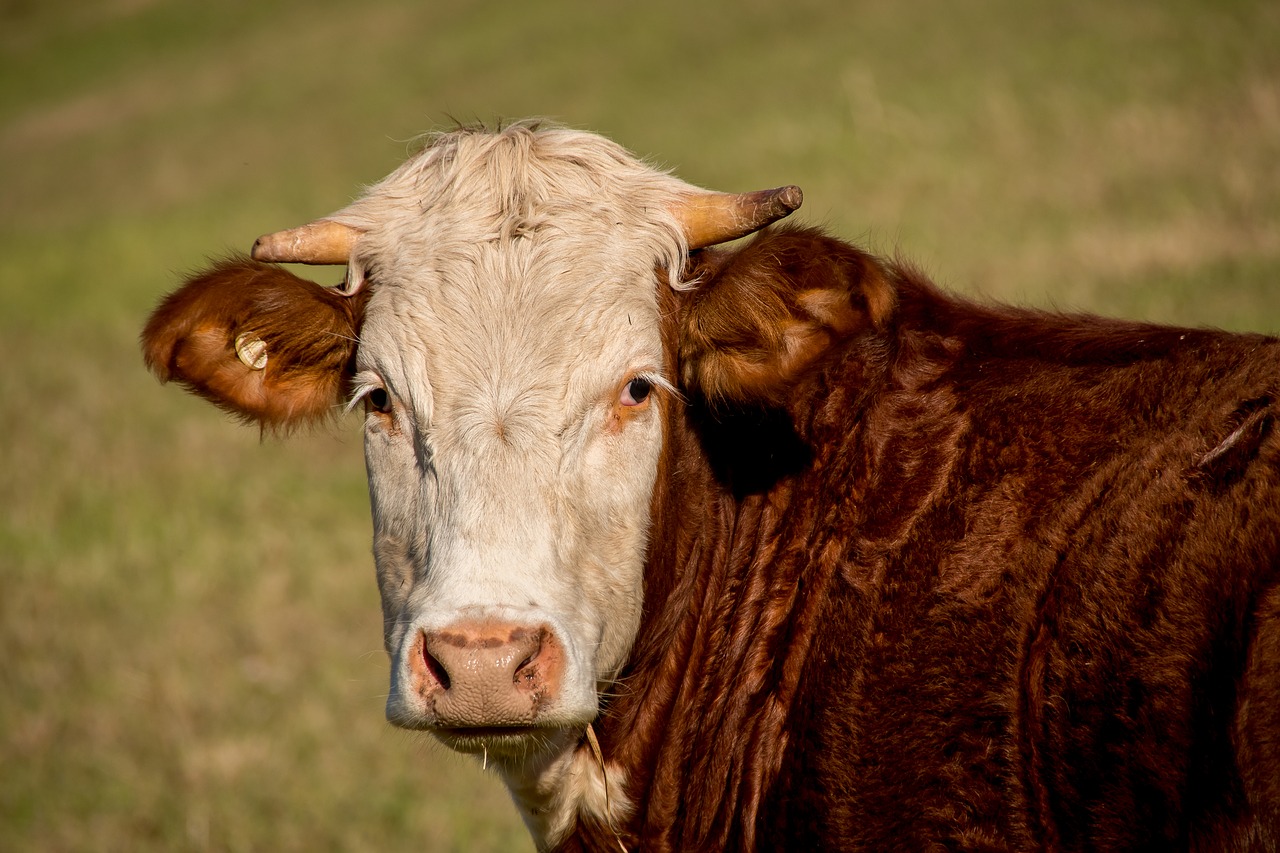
(773,545)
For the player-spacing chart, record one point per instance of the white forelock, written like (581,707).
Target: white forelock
(483,186)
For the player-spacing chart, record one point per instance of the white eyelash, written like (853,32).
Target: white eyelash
(657,380)
(364,383)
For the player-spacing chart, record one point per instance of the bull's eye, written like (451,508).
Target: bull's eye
(636,392)
(378,400)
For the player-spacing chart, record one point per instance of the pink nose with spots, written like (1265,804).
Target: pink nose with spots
(487,673)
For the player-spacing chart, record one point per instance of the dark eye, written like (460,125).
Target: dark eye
(636,392)
(378,400)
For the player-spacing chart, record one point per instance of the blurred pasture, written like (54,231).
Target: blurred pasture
(190,639)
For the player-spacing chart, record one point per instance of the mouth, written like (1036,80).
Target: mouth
(514,741)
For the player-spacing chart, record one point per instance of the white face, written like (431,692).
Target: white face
(512,445)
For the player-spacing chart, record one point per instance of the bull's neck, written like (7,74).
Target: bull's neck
(728,609)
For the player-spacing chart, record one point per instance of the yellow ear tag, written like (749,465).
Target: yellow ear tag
(252,350)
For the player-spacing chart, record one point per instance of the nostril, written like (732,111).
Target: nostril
(526,672)
(435,669)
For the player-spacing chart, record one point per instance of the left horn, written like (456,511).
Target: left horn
(708,218)
(321,242)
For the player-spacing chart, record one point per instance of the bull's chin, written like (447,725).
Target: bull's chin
(507,742)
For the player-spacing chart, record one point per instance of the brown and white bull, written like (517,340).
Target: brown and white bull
(774,546)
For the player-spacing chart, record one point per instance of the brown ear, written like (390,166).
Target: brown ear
(768,313)
(257,341)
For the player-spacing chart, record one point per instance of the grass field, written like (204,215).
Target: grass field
(190,639)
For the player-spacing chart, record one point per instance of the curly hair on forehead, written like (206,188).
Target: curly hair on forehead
(514,180)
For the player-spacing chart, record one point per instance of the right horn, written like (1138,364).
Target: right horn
(708,218)
(321,242)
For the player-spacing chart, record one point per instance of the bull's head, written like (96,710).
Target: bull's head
(500,326)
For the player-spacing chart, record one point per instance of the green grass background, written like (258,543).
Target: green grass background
(190,649)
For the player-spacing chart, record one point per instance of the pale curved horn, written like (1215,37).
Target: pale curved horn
(708,218)
(321,242)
